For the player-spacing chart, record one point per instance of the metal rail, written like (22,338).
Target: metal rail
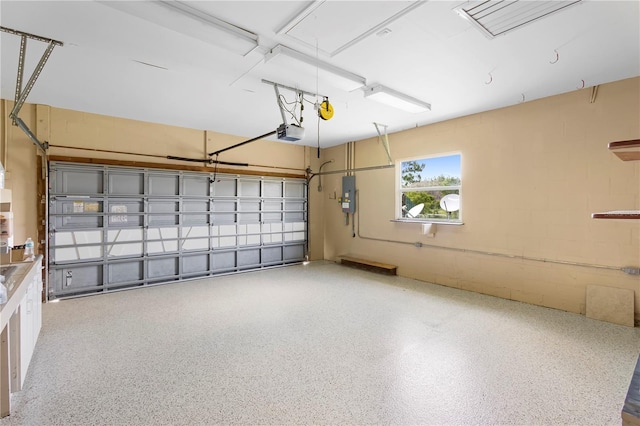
(23,50)
(21,124)
(207,160)
(276,85)
(36,73)
(169,157)
(31,36)
(360,169)
(220,151)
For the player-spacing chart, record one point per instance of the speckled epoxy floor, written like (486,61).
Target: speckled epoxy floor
(321,344)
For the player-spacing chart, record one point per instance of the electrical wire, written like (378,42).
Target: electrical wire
(298,102)
(301,100)
(310,102)
(282,101)
(317,90)
(215,169)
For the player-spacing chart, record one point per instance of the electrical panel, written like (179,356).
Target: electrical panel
(348,199)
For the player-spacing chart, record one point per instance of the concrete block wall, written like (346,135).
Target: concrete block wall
(532,176)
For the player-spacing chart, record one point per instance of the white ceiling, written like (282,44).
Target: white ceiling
(430,53)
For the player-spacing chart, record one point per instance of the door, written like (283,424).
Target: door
(116,227)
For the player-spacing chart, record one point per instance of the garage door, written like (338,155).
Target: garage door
(116,227)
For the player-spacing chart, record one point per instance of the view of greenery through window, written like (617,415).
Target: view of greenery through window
(426,182)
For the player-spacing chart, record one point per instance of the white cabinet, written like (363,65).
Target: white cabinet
(20,323)
(30,322)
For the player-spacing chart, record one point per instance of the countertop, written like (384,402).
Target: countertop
(16,289)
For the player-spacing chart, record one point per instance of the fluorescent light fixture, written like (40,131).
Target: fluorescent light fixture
(396,99)
(292,59)
(228,35)
(305,12)
(496,17)
(185,19)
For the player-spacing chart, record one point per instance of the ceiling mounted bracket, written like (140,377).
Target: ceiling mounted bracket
(594,94)
(384,140)
(298,92)
(32,80)
(280,106)
(23,50)
(22,93)
(21,124)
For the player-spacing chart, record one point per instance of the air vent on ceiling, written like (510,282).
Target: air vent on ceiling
(496,17)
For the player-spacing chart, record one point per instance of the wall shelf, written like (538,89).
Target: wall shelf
(626,150)
(617,214)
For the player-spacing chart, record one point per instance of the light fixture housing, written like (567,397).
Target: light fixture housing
(396,99)
(185,19)
(292,59)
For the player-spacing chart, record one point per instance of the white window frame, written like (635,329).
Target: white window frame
(399,190)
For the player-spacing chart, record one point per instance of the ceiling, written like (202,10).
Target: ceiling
(146,61)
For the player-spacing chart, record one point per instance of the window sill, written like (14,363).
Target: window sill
(423,221)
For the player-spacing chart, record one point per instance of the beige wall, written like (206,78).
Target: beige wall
(532,175)
(22,164)
(78,134)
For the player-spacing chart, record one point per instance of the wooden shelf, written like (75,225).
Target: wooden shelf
(617,214)
(626,150)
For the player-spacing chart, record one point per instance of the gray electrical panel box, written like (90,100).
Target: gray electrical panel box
(348,201)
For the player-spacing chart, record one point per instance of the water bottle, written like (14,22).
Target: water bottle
(28,250)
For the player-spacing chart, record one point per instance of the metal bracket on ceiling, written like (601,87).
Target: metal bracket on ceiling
(21,124)
(280,106)
(594,94)
(298,92)
(384,139)
(22,93)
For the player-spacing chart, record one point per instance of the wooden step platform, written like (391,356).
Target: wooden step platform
(368,265)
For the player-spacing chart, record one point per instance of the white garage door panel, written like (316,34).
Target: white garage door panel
(77,237)
(162,233)
(70,254)
(122,235)
(131,249)
(164,246)
(195,231)
(196,244)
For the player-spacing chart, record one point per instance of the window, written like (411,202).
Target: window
(430,188)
